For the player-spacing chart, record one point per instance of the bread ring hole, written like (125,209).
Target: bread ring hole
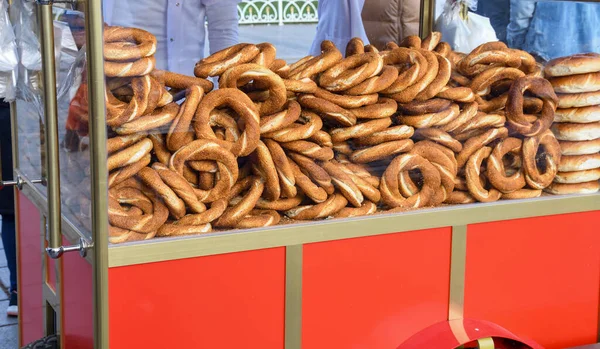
(540,159)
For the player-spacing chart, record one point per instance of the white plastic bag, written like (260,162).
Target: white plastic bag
(462,29)
(9,59)
(8,46)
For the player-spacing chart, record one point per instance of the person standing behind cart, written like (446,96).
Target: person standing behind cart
(7,208)
(391,20)
(339,21)
(179,27)
(551,29)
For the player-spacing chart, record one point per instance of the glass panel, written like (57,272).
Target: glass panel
(74,153)
(248,137)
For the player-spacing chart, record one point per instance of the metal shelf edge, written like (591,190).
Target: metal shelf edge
(302,233)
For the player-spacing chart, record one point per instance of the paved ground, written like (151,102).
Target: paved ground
(8,325)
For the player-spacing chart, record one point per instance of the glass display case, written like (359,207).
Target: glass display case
(164,131)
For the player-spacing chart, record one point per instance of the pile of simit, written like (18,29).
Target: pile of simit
(416,125)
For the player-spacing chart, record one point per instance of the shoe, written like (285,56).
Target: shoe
(13,307)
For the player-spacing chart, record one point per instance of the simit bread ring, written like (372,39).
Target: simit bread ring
(264,166)
(151,178)
(287,181)
(141,67)
(381,151)
(159,117)
(232,215)
(359,130)
(308,125)
(280,119)
(237,75)
(460,198)
(475,143)
(438,136)
(313,191)
(522,194)
(258,219)
(366,208)
(312,66)
(180,186)
(542,89)
(327,109)
(129,155)
(351,71)
(179,131)
(243,106)
(347,101)
(431,73)
(496,173)
(315,172)
(457,94)
(354,47)
(309,149)
(180,81)
(202,149)
(551,157)
(152,212)
(384,108)
(435,105)
(375,83)
(343,183)
(393,133)
(390,182)
(327,208)
(120,142)
(411,66)
(440,81)
(127,44)
(219,62)
(473,172)
(482,83)
(126,172)
(266,55)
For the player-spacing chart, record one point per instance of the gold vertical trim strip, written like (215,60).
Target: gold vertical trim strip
(293,297)
(99,171)
(458,260)
(427,17)
(51,126)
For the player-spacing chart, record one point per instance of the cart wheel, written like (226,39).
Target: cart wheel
(50,342)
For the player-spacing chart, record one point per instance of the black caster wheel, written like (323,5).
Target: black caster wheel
(50,342)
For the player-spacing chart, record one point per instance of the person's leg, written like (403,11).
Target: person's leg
(8,240)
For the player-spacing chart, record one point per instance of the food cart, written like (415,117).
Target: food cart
(525,269)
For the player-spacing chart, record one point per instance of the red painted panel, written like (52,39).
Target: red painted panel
(374,292)
(224,301)
(29,269)
(537,277)
(77,302)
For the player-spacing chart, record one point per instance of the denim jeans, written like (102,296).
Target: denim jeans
(10,248)
(498,11)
